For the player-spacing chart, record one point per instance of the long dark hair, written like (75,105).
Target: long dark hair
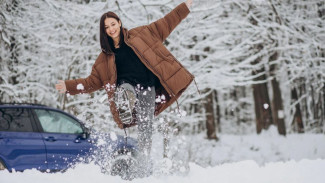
(106,42)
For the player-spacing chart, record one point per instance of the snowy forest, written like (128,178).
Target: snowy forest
(259,67)
(257,62)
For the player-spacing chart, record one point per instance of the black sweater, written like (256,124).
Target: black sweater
(130,68)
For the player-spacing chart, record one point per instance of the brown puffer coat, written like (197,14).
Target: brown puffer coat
(147,43)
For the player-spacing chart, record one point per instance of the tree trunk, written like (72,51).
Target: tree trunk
(320,111)
(277,103)
(323,110)
(217,111)
(210,116)
(297,120)
(321,14)
(277,108)
(262,110)
(261,97)
(262,103)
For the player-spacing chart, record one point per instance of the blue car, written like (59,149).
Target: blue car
(48,139)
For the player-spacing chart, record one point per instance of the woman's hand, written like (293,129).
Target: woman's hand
(189,3)
(61,86)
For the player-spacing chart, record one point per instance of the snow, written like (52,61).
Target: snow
(266,106)
(244,171)
(158,100)
(163,97)
(113,136)
(266,158)
(281,114)
(259,1)
(264,148)
(80,87)
(226,68)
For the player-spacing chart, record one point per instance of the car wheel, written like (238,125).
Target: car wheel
(124,166)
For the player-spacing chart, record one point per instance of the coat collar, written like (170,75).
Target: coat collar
(125,32)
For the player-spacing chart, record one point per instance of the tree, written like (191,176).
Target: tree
(210,112)
(243,50)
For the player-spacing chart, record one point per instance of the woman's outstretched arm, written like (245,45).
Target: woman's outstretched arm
(82,85)
(164,26)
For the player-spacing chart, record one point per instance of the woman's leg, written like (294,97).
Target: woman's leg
(125,99)
(145,107)
(145,114)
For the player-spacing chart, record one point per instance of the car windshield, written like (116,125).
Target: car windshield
(56,122)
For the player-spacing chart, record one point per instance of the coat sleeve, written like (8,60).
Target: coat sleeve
(85,85)
(164,26)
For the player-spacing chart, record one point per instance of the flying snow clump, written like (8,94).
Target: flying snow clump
(80,87)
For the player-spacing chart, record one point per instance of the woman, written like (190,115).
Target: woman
(136,61)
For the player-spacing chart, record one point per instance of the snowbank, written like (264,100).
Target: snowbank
(264,148)
(249,171)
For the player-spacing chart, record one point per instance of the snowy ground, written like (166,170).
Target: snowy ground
(304,171)
(249,158)
(264,148)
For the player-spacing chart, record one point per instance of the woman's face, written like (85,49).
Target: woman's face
(112,27)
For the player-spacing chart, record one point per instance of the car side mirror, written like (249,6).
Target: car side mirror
(85,134)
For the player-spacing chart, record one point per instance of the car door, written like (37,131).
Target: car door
(64,138)
(21,145)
